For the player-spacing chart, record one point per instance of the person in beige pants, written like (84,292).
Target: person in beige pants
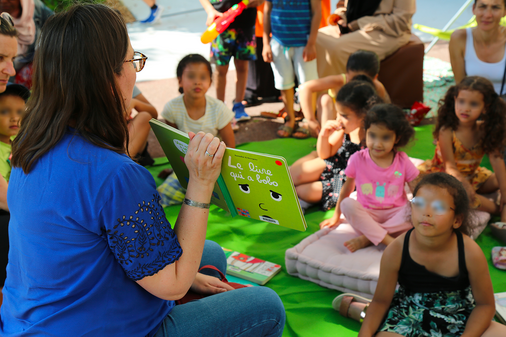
(383,33)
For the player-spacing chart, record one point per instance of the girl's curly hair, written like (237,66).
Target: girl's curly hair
(494,120)
(393,118)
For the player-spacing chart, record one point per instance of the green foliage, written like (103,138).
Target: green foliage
(60,5)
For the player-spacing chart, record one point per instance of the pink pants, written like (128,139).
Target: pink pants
(375,224)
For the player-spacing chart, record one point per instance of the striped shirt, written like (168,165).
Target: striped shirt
(216,117)
(291,22)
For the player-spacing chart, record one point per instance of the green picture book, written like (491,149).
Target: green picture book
(250,268)
(253,185)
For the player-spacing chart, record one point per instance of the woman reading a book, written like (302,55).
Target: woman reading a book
(91,250)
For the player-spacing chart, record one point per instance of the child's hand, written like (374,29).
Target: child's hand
(211,16)
(309,52)
(267,53)
(332,222)
(330,127)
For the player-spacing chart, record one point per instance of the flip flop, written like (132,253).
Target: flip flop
(300,129)
(287,129)
(343,302)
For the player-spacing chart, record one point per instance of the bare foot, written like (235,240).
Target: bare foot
(357,243)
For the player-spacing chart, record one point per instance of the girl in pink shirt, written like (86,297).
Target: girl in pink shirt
(381,211)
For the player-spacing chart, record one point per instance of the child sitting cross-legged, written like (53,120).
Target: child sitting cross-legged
(444,281)
(361,62)
(292,49)
(380,172)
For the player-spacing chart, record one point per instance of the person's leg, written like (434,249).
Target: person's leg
(221,81)
(221,54)
(370,223)
(287,97)
(333,50)
(284,81)
(213,255)
(307,169)
(310,192)
(328,109)
(305,71)
(245,51)
(252,311)
(495,330)
(241,68)
(138,131)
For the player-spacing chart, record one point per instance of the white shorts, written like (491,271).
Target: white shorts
(288,62)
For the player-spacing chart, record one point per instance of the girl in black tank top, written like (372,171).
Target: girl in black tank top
(444,282)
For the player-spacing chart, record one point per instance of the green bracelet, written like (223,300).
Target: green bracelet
(196,204)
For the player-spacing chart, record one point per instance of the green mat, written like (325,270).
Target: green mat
(308,306)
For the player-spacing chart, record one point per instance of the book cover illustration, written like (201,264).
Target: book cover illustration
(252,185)
(261,187)
(250,268)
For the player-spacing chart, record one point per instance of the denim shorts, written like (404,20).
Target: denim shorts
(288,63)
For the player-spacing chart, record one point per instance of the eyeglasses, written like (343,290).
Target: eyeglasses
(138,61)
(7,17)
(438,207)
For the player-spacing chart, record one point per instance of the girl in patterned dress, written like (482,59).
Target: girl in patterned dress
(319,176)
(445,287)
(471,122)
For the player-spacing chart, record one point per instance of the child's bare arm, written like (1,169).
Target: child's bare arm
(267,52)
(3,193)
(481,286)
(446,145)
(346,190)
(255,3)
(227,135)
(309,52)
(330,139)
(389,272)
(140,103)
(308,91)
(382,91)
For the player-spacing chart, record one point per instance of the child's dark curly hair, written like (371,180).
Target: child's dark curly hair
(359,95)
(192,58)
(456,190)
(393,118)
(494,120)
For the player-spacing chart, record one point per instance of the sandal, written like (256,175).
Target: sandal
(302,130)
(343,304)
(282,114)
(287,129)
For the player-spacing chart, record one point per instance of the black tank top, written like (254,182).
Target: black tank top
(416,278)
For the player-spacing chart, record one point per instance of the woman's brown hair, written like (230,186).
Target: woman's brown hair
(494,120)
(80,52)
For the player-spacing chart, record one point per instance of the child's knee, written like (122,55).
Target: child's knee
(348,204)
(326,100)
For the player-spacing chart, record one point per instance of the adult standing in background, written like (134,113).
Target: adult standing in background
(382,30)
(480,51)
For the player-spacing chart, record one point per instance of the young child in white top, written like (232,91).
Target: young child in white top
(195,111)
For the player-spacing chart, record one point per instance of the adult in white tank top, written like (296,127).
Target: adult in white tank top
(480,51)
